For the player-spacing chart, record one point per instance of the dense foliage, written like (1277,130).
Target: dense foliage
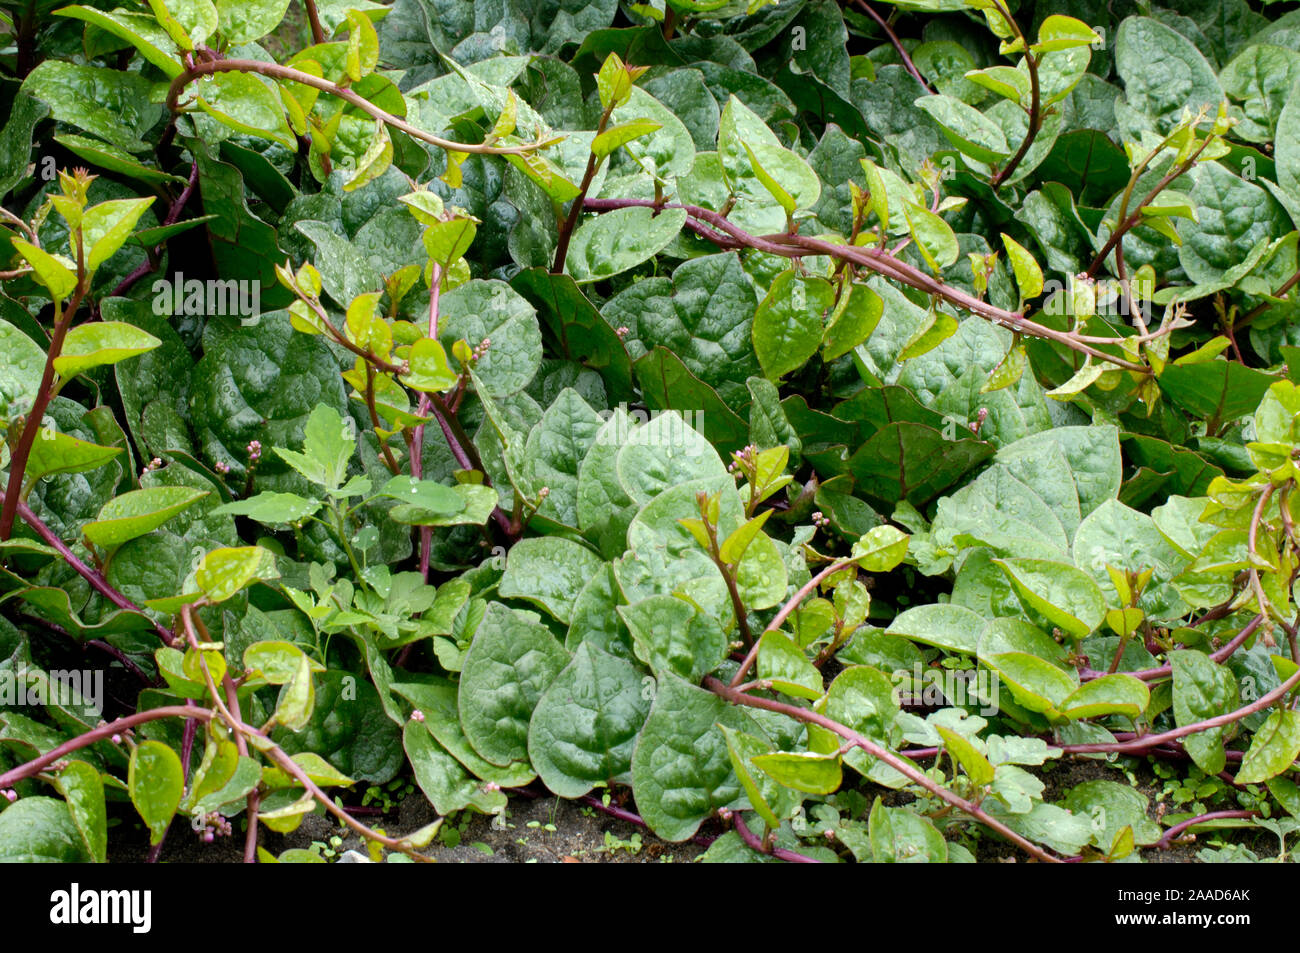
(823,419)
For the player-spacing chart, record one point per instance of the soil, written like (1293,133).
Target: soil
(536,830)
(547,829)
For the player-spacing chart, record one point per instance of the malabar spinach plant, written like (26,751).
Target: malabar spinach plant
(797,426)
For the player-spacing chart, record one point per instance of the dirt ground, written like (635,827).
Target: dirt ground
(546,829)
(536,830)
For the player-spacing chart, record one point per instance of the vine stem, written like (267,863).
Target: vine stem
(422,410)
(1252,536)
(1259,309)
(1167,840)
(92,576)
(1219,655)
(575,209)
(1035,101)
(876,751)
(41,402)
(1218,721)
(897,44)
(230,711)
(1128,222)
(313,17)
(276,71)
(34,767)
(780,853)
(877,260)
(779,619)
(172,217)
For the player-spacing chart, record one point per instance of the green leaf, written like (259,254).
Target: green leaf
(57,452)
(1111,807)
(20,372)
(977,767)
(1109,695)
(243,21)
(156,784)
(1029,276)
(427,495)
(327,448)
(510,663)
(615,136)
(585,726)
(556,447)
(681,768)
(56,273)
(788,322)
(189,22)
(785,665)
(900,836)
(297,697)
(881,549)
(246,776)
(101,342)
(613,242)
(969,130)
(802,770)
(106,227)
(83,789)
(437,702)
(39,830)
(349,729)
(1217,390)
(703,314)
(743,137)
(1063,595)
(549,571)
(934,239)
(139,29)
(113,105)
(1273,749)
(1163,72)
(275,661)
(1231,217)
(1037,685)
(950,627)
(138,512)
(492,310)
(672,634)
(272,507)
(263,382)
(247,104)
(446,784)
(772,801)
(1058,32)
(227,571)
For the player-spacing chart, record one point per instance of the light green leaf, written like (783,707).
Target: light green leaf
(156,784)
(101,342)
(138,512)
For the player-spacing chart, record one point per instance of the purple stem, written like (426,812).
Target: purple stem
(780,853)
(92,576)
(173,215)
(1167,841)
(1166,671)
